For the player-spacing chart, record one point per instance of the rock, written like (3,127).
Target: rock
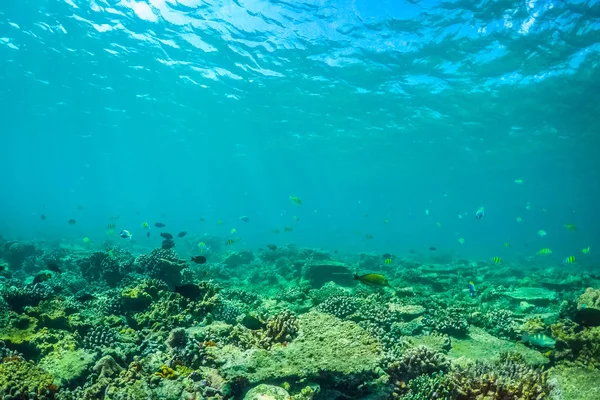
(575,383)
(588,307)
(407,312)
(326,348)
(480,345)
(69,366)
(321,272)
(267,392)
(533,295)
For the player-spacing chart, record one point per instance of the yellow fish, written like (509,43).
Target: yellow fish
(111,226)
(288,229)
(506,244)
(233,230)
(296,200)
(461,240)
(569,260)
(145,225)
(388,261)
(571,227)
(544,252)
(86,240)
(220,222)
(229,242)
(519,219)
(496,260)
(201,245)
(586,250)
(372,279)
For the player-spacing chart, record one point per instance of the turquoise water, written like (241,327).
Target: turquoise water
(173,111)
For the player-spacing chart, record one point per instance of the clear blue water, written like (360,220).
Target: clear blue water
(174,111)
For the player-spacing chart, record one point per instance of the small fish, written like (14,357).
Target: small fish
(519,219)
(431,248)
(544,252)
(86,241)
(199,259)
(518,181)
(438,224)
(528,206)
(201,245)
(189,291)
(479,214)
(387,255)
(275,231)
(541,233)
(125,234)
(166,235)
(159,225)
(111,226)
(181,234)
(296,200)
(459,215)
(86,297)
(539,340)
(461,240)
(220,222)
(115,217)
(233,231)
(110,232)
(387,261)
(569,260)
(295,218)
(272,247)
(372,279)
(472,289)
(72,222)
(43,217)
(506,244)
(168,244)
(42,277)
(288,229)
(201,219)
(368,236)
(230,242)
(54,268)
(571,227)
(148,234)
(496,260)
(244,218)
(145,225)
(385,221)
(586,250)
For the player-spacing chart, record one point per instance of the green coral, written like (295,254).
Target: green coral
(26,378)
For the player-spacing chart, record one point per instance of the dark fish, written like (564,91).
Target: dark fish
(181,234)
(166,235)
(431,248)
(159,225)
(199,259)
(387,255)
(252,323)
(54,268)
(86,297)
(80,207)
(43,217)
(72,222)
(372,279)
(245,218)
(148,234)
(168,244)
(411,251)
(189,291)
(272,247)
(42,277)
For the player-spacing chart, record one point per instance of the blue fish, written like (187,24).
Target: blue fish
(480,213)
(125,234)
(472,289)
